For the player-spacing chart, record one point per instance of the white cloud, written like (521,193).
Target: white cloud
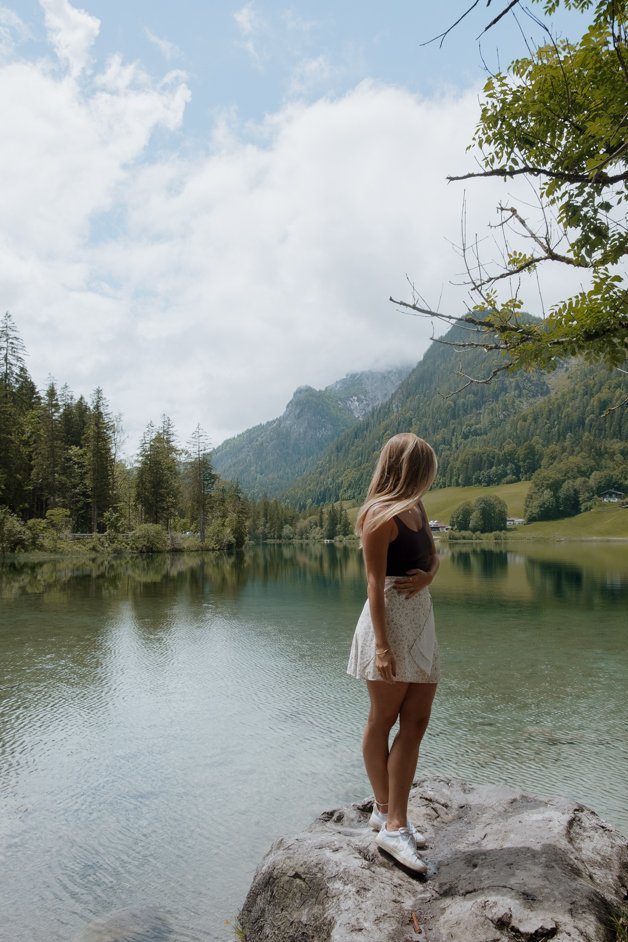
(313,75)
(252,29)
(168,50)
(72,32)
(12,30)
(298,24)
(209,287)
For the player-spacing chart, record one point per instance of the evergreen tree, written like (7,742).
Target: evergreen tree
(47,453)
(344,525)
(157,480)
(18,396)
(331,526)
(201,479)
(76,495)
(98,447)
(12,353)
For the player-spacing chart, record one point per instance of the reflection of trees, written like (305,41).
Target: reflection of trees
(195,575)
(488,563)
(564,581)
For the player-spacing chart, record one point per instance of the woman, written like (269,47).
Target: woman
(394,646)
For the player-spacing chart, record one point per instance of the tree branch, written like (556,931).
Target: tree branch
(618,405)
(603,178)
(513,3)
(443,36)
(471,380)
(548,252)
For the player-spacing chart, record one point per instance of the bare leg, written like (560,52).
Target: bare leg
(414,715)
(386,700)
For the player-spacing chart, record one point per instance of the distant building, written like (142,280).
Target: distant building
(437,527)
(612,496)
(514,521)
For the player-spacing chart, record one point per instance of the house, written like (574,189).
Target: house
(515,521)
(437,527)
(612,497)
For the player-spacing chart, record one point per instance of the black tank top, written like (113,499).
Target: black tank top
(411,549)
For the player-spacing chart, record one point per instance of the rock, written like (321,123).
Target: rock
(503,865)
(135,924)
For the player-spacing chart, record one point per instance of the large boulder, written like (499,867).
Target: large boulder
(503,865)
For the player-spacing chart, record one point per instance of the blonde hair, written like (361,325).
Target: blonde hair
(405,470)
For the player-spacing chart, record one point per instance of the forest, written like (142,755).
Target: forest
(62,476)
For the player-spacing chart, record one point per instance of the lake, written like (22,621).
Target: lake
(163,720)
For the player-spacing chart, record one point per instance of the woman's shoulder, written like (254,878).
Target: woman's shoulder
(374,520)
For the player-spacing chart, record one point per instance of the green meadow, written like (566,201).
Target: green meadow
(606,521)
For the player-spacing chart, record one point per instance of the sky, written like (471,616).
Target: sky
(206,204)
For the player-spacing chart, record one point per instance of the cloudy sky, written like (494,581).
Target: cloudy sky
(207,203)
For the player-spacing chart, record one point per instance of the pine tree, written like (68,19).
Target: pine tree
(201,479)
(18,396)
(331,528)
(98,446)
(47,453)
(157,481)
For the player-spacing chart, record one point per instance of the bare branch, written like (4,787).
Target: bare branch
(614,408)
(513,3)
(443,36)
(549,253)
(601,178)
(525,332)
(472,381)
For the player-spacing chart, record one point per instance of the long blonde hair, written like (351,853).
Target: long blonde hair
(405,470)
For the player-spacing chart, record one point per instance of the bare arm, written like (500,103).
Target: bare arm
(375,547)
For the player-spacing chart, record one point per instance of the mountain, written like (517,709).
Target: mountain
(268,458)
(483,433)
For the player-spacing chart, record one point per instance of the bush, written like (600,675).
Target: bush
(14,535)
(37,530)
(149,538)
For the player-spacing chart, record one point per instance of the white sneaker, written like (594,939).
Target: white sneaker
(400,845)
(378,820)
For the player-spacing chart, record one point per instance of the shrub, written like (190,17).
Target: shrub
(14,535)
(149,538)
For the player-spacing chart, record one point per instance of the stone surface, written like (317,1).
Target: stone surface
(503,865)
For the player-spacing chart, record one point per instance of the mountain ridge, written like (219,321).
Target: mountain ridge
(266,459)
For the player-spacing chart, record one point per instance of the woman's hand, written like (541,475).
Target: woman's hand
(413,582)
(385,664)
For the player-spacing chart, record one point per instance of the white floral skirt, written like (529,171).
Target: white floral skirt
(411,637)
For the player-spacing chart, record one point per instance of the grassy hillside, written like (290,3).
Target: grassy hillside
(440,503)
(604,522)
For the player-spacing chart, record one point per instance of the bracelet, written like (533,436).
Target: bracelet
(382,652)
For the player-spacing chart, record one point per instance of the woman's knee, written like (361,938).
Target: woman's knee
(414,726)
(381,720)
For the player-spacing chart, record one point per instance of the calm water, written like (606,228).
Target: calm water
(163,721)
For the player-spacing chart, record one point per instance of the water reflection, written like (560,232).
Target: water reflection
(488,563)
(557,581)
(196,574)
(571,575)
(137,696)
